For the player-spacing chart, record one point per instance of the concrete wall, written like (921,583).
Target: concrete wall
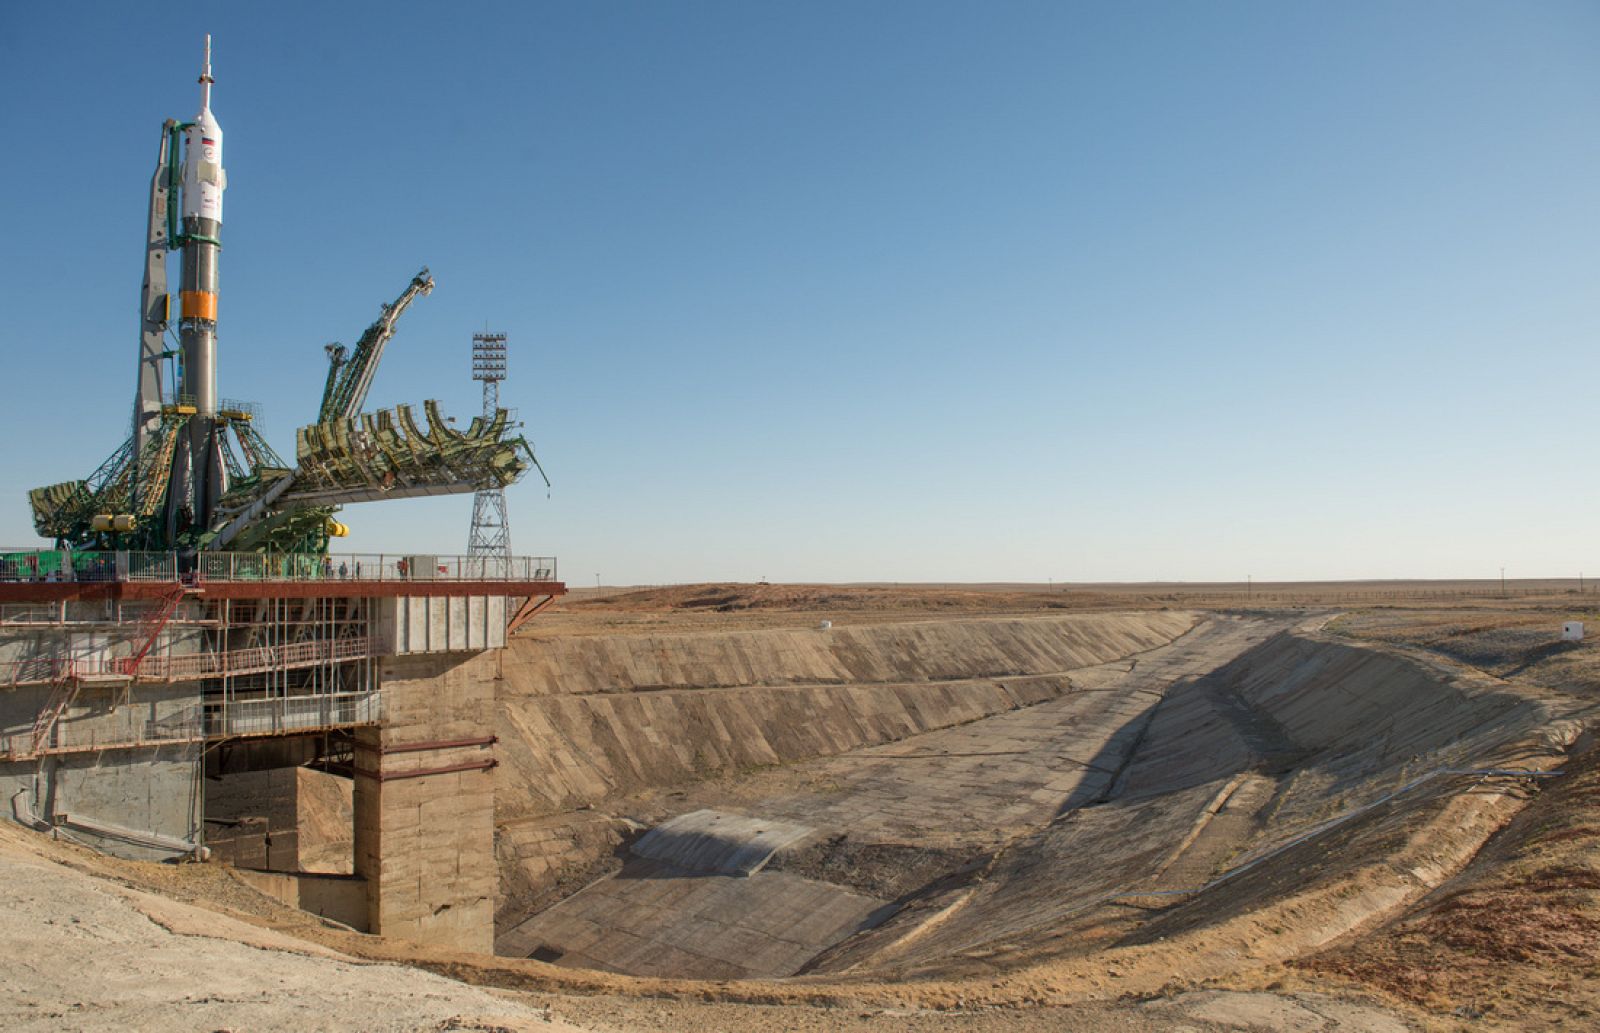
(441,624)
(541,859)
(560,753)
(252,819)
(907,652)
(96,635)
(342,898)
(114,801)
(92,636)
(285,819)
(425,844)
(129,795)
(103,713)
(587,718)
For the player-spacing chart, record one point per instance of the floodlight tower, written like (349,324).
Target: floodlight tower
(491,532)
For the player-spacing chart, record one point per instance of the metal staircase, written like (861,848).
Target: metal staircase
(63,690)
(150,628)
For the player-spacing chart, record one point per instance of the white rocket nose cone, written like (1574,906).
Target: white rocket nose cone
(203,177)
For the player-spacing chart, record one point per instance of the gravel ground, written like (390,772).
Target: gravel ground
(81,953)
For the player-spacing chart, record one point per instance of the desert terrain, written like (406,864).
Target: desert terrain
(1363,806)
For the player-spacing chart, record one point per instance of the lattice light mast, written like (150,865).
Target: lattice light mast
(491,531)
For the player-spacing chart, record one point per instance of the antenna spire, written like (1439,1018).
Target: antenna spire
(205,78)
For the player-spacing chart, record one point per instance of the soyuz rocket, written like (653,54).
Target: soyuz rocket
(199,477)
(203,184)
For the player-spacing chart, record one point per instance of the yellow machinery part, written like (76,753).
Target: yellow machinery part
(121,523)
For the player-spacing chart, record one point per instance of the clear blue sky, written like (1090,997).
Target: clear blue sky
(863,291)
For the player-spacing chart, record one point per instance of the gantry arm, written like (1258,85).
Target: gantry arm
(350,379)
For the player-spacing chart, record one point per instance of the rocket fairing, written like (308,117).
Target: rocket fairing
(204,182)
(203,177)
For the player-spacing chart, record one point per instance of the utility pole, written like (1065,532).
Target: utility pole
(490,539)
(1502,582)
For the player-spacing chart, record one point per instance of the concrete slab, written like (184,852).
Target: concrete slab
(718,842)
(715,926)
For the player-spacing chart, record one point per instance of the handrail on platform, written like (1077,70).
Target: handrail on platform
(63,565)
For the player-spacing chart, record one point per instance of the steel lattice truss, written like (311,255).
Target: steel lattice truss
(491,527)
(269,505)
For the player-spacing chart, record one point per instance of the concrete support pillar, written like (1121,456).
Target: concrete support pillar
(424,802)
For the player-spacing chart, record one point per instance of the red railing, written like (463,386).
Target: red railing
(260,658)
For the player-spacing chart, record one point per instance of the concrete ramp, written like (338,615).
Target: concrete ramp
(652,919)
(718,843)
(715,895)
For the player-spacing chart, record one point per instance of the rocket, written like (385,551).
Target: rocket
(204,182)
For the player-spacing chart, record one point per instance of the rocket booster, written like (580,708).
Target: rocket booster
(203,184)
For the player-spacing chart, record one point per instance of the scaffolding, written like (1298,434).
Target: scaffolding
(168,648)
(261,666)
(285,664)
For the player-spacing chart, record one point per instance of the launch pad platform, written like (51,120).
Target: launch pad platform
(189,650)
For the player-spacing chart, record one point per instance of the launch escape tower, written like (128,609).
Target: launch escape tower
(188,639)
(490,537)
